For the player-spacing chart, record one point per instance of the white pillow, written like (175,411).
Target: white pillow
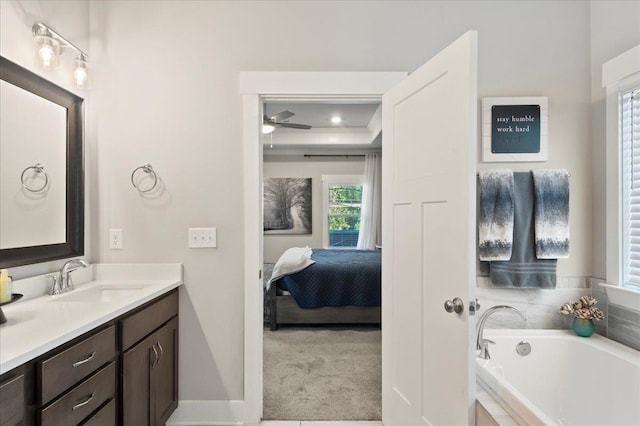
(292,260)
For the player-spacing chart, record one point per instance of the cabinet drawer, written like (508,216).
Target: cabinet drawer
(137,326)
(12,401)
(59,372)
(106,416)
(75,405)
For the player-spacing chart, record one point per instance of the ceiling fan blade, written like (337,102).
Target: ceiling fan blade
(294,126)
(282,115)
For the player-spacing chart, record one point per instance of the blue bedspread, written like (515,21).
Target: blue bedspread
(338,278)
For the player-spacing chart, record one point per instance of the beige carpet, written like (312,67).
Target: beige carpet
(315,373)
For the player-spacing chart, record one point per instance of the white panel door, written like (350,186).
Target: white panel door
(428,230)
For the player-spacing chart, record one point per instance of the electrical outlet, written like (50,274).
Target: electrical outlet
(202,238)
(115,239)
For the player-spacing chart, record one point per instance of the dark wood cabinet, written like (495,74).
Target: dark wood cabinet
(59,372)
(77,405)
(12,401)
(164,374)
(136,383)
(105,416)
(77,379)
(150,367)
(124,372)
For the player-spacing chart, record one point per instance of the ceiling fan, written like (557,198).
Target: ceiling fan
(277,120)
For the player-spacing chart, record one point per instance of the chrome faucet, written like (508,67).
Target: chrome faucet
(482,344)
(64,283)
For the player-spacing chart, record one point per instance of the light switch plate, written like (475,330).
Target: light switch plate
(115,239)
(202,237)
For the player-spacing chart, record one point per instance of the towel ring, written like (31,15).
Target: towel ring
(149,170)
(38,168)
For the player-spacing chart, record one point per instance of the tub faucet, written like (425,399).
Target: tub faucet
(64,283)
(482,344)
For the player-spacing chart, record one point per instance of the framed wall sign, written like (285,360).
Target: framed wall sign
(515,129)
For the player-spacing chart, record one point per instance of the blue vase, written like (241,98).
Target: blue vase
(583,327)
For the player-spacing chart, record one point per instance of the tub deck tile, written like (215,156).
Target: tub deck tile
(623,326)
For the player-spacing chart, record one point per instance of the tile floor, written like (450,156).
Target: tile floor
(315,423)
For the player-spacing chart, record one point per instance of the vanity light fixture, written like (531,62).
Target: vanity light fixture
(49,44)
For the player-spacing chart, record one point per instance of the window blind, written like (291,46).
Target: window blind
(630,138)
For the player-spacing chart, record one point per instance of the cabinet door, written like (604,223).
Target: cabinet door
(12,401)
(164,373)
(136,381)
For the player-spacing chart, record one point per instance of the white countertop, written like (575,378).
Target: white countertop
(35,325)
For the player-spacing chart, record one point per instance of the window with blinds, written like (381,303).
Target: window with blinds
(630,139)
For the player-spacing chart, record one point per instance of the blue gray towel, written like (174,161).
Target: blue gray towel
(552,213)
(524,270)
(495,221)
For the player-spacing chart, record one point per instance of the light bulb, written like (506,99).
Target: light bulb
(46,54)
(80,74)
(336,119)
(267,128)
(48,50)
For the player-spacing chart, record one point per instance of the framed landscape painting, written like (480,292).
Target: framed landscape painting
(287,206)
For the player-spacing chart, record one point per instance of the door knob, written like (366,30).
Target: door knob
(456,305)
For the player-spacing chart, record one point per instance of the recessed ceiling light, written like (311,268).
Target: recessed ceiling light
(336,119)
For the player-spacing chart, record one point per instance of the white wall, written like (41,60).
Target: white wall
(615,28)
(71,19)
(165,89)
(298,167)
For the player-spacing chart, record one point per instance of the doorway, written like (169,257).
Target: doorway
(256,88)
(317,366)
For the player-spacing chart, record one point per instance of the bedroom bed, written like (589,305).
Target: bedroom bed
(322,286)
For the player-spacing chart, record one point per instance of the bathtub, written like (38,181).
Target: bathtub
(566,380)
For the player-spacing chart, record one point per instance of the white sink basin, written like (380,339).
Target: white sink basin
(100,294)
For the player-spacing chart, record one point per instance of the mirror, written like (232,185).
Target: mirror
(41,169)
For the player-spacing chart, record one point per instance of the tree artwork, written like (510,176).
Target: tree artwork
(287,205)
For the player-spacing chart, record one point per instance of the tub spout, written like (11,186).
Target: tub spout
(482,344)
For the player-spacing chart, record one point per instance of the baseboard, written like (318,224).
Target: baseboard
(201,413)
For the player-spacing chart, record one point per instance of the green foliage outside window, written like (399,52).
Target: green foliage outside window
(344,207)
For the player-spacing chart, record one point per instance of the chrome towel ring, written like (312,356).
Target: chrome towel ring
(149,170)
(37,168)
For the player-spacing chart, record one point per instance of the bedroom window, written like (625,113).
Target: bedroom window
(342,203)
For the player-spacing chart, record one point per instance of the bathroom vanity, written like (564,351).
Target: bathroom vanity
(105,353)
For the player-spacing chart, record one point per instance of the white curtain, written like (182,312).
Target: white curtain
(370,224)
